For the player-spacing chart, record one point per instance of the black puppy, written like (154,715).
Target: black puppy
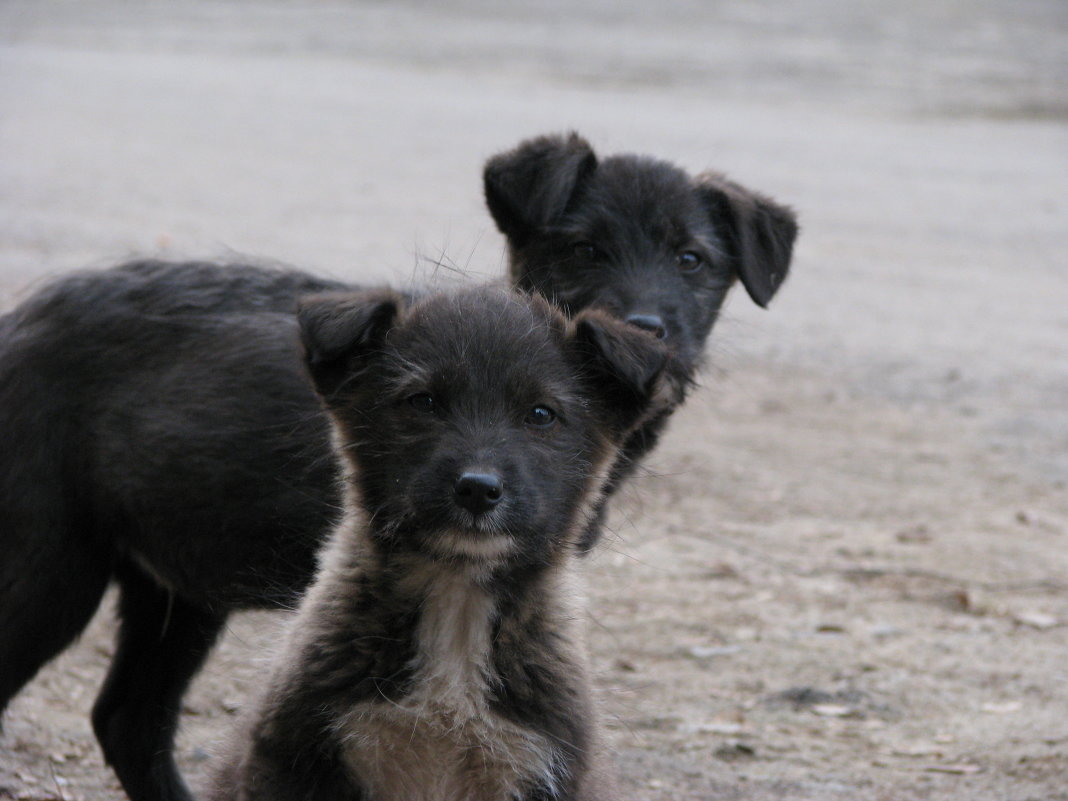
(439,656)
(160,432)
(641,239)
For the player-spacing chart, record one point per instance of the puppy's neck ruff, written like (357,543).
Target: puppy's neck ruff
(446,738)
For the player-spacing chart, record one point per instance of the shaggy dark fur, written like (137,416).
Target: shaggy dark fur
(439,656)
(159,431)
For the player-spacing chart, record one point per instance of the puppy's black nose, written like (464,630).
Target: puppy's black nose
(478,492)
(650,322)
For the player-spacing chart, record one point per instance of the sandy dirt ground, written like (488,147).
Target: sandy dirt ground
(844,575)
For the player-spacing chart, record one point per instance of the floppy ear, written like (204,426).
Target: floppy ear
(531,186)
(338,329)
(625,367)
(759,233)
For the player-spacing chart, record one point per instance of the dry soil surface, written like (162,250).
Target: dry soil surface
(844,575)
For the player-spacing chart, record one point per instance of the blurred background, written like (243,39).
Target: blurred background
(924,145)
(903,405)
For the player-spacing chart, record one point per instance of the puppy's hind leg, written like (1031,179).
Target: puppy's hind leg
(162,642)
(50,586)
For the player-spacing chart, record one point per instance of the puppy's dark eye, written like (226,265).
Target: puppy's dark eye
(689,261)
(423,402)
(586,251)
(540,416)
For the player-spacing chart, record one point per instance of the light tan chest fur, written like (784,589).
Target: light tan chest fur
(443,742)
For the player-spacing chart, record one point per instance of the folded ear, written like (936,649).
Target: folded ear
(338,330)
(759,233)
(531,186)
(624,366)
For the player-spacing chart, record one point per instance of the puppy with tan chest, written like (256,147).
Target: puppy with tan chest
(439,655)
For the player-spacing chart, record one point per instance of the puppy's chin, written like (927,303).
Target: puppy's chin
(474,544)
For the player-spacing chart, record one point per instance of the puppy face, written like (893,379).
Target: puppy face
(478,422)
(636,237)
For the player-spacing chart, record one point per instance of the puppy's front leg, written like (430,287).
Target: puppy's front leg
(288,765)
